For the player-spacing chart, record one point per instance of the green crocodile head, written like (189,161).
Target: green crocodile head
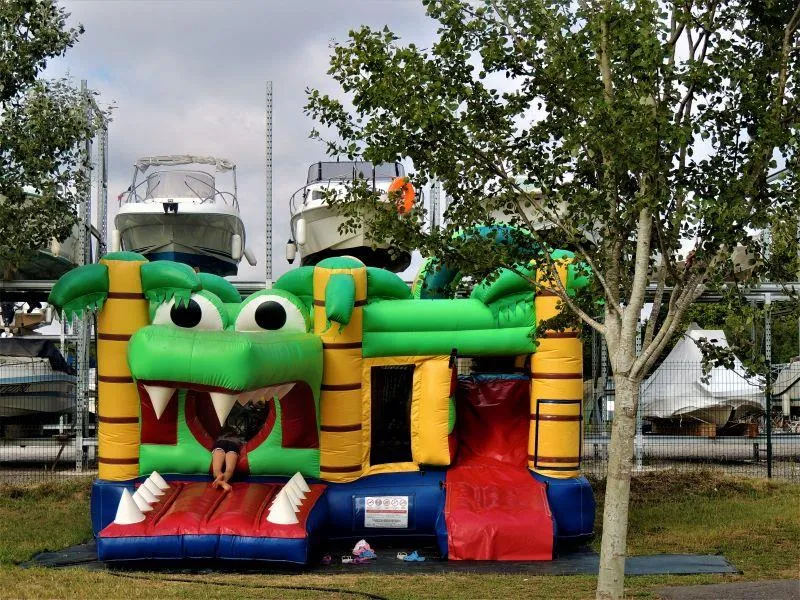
(234,351)
(205,350)
(208,350)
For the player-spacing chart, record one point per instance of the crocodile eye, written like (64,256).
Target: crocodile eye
(198,313)
(270,313)
(186,315)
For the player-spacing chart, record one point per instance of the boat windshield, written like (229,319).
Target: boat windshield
(325,171)
(177,184)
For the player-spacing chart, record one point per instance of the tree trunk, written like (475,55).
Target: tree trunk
(611,576)
(8,271)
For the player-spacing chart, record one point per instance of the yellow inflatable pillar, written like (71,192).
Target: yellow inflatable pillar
(124,312)
(555,440)
(341,444)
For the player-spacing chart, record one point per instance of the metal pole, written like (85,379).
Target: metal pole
(604,379)
(435,187)
(768,357)
(638,439)
(102,187)
(268,185)
(84,242)
(797,244)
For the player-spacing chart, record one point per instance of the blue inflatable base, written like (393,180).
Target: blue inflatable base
(228,547)
(339,514)
(572,504)
(426,495)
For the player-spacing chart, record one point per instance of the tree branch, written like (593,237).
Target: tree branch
(552,216)
(641,266)
(507,23)
(605,65)
(783,74)
(656,308)
(561,292)
(574,238)
(681,298)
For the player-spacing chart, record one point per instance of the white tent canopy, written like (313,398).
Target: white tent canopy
(677,390)
(174,160)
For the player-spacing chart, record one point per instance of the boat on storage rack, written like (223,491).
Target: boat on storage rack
(315,225)
(49,261)
(34,378)
(173,210)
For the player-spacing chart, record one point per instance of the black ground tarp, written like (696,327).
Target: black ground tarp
(568,563)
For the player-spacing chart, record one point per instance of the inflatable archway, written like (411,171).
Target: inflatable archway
(367,414)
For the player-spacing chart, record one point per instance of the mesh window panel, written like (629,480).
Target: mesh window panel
(391,414)
(498,364)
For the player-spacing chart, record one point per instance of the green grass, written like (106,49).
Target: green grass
(50,516)
(755,523)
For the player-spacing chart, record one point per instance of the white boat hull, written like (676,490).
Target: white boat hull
(323,239)
(39,395)
(718,413)
(199,235)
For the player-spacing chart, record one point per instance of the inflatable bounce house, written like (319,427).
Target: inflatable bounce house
(370,431)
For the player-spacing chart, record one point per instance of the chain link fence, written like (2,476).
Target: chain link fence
(690,418)
(39,418)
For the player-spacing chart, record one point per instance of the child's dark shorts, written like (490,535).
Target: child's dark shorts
(227,445)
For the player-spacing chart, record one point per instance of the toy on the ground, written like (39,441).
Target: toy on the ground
(367,415)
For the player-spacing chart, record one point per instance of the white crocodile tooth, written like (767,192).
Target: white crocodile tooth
(282,511)
(158,480)
(127,510)
(246,397)
(293,495)
(283,389)
(300,482)
(223,403)
(142,503)
(146,495)
(152,487)
(159,398)
(295,488)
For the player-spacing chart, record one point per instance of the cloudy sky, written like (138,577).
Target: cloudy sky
(189,77)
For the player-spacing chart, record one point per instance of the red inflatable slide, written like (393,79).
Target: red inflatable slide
(495,509)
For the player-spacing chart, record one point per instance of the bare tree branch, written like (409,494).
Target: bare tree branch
(656,308)
(640,275)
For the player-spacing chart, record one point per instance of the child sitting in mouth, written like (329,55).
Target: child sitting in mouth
(243,422)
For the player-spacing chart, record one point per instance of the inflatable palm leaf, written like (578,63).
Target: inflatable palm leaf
(86,287)
(163,280)
(83,288)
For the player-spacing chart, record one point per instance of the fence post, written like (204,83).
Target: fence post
(84,320)
(768,394)
(604,379)
(639,438)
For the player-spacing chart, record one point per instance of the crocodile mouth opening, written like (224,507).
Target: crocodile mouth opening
(250,415)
